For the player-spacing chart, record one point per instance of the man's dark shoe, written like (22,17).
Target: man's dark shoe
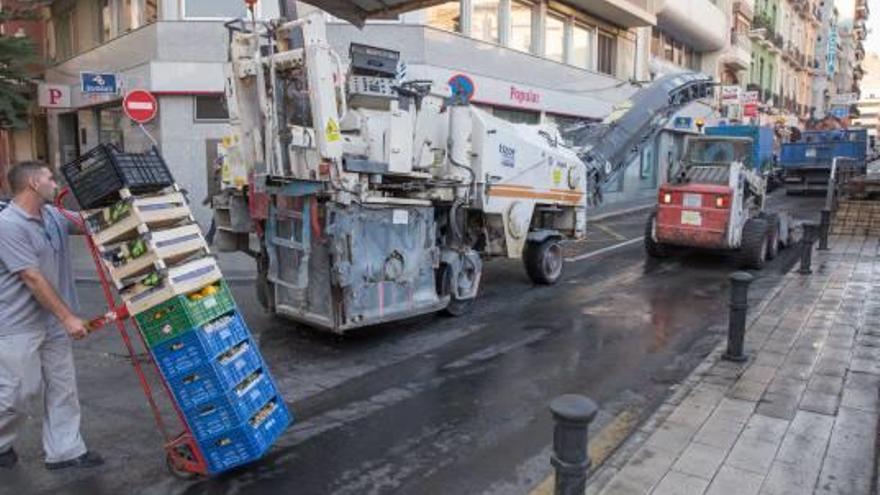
(87,460)
(8,458)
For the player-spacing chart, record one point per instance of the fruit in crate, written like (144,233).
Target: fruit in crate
(264,413)
(122,253)
(106,217)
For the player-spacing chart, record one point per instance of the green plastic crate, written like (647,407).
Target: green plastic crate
(178,315)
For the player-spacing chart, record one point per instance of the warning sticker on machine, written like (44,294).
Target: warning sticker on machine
(400,217)
(332,131)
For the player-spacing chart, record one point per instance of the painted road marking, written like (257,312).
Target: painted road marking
(602,445)
(603,250)
(610,231)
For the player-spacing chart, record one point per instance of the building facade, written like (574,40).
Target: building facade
(29,142)
(536,62)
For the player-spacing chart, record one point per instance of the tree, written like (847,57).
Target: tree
(17,55)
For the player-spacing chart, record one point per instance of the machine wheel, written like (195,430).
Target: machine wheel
(752,251)
(544,261)
(772,235)
(652,247)
(265,293)
(456,307)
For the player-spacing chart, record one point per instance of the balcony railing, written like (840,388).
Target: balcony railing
(763,21)
(740,40)
(776,39)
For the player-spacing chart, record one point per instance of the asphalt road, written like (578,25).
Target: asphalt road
(434,404)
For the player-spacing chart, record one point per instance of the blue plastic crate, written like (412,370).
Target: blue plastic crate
(228,410)
(238,362)
(213,379)
(247,442)
(219,335)
(199,346)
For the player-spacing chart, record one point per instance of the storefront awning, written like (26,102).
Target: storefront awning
(358,11)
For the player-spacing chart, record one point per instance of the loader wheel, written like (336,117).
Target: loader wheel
(752,252)
(456,306)
(544,261)
(772,236)
(652,247)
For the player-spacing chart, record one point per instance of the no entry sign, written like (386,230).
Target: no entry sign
(140,106)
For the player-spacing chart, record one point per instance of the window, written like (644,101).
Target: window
(656,43)
(124,21)
(446,16)
(65,35)
(521,26)
(606,53)
(484,22)
(110,122)
(106,20)
(554,38)
(222,9)
(581,46)
(517,116)
(210,108)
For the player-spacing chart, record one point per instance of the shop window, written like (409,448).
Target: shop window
(656,43)
(110,126)
(521,15)
(554,38)
(581,46)
(446,16)
(214,9)
(484,21)
(607,49)
(517,116)
(210,108)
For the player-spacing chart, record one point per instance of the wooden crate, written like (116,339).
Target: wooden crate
(175,281)
(160,249)
(137,215)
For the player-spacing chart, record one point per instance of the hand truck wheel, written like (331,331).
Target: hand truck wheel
(178,472)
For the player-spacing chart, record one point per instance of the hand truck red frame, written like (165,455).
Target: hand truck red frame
(184,458)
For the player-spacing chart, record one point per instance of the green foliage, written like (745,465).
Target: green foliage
(16,56)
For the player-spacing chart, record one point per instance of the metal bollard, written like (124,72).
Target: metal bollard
(824,227)
(807,248)
(572,415)
(739,308)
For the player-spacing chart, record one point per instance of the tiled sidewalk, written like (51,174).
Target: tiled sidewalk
(799,417)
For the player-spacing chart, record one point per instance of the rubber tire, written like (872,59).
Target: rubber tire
(752,252)
(653,248)
(456,307)
(772,235)
(535,258)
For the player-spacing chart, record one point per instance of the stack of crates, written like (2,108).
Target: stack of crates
(164,272)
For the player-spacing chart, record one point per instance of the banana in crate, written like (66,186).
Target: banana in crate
(152,250)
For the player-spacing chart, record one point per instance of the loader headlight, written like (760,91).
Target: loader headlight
(667,198)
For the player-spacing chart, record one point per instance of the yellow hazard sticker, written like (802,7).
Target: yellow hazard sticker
(557,176)
(332,131)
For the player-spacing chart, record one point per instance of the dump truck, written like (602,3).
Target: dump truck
(806,163)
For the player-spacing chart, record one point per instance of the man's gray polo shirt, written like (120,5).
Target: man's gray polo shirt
(28,242)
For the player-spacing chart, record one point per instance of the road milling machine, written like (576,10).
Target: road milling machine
(365,198)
